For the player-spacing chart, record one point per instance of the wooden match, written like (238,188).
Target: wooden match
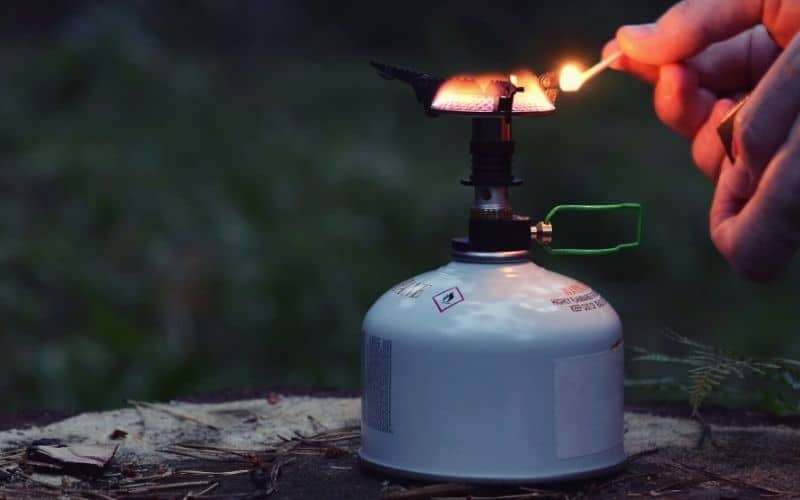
(571,78)
(597,68)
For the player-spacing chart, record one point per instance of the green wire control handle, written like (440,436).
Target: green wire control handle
(542,232)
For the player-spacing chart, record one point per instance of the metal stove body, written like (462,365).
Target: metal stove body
(491,369)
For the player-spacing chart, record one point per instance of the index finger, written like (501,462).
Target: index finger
(687,28)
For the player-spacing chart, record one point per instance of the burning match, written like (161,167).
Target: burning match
(572,78)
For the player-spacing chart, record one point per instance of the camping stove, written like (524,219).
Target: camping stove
(492,369)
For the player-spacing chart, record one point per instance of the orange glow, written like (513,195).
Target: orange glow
(463,94)
(480,94)
(533,99)
(571,78)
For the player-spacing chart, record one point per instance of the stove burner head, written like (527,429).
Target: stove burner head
(521,94)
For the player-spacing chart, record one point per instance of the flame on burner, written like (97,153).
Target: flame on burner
(481,93)
(533,99)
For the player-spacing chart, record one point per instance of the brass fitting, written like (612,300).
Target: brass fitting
(542,232)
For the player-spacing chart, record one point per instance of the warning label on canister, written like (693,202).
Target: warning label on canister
(578,298)
(448,298)
(376,401)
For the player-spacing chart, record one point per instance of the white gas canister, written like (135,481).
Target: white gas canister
(492,372)
(492,369)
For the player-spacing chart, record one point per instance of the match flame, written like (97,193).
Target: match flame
(571,78)
(481,94)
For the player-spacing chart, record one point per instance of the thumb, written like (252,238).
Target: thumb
(687,28)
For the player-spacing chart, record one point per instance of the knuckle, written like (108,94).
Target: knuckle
(757,274)
(780,20)
(685,7)
(671,110)
(746,261)
(682,19)
(747,255)
(792,66)
(709,165)
(784,205)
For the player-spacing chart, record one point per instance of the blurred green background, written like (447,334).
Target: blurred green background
(196,195)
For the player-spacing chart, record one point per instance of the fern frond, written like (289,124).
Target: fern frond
(703,381)
(792,380)
(657,383)
(710,367)
(680,339)
(657,357)
(730,366)
(788,363)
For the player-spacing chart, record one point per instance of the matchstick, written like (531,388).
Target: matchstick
(597,68)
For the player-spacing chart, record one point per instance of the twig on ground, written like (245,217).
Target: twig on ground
(643,453)
(39,465)
(673,488)
(163,475)
(209,473)
(516,496)
(316,424)
(96,494)
(202,492)
(230,495)
(26,492)
(732,480)
(529,489)
(12,456)
(327,437)
(31,479)
(169,486)
(185,454)
(172,413)
(235,451)
(424,492)
(275,472)
(201,454)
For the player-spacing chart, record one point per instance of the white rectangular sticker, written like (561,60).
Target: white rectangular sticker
(588,403)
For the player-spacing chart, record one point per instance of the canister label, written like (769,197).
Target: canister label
(589,403)
(376,401)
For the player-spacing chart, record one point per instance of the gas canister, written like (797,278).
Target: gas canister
(492,369)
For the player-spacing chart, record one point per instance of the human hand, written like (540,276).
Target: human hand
(702,56)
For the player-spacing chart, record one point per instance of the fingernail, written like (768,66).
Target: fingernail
(637,31)
(610,47)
